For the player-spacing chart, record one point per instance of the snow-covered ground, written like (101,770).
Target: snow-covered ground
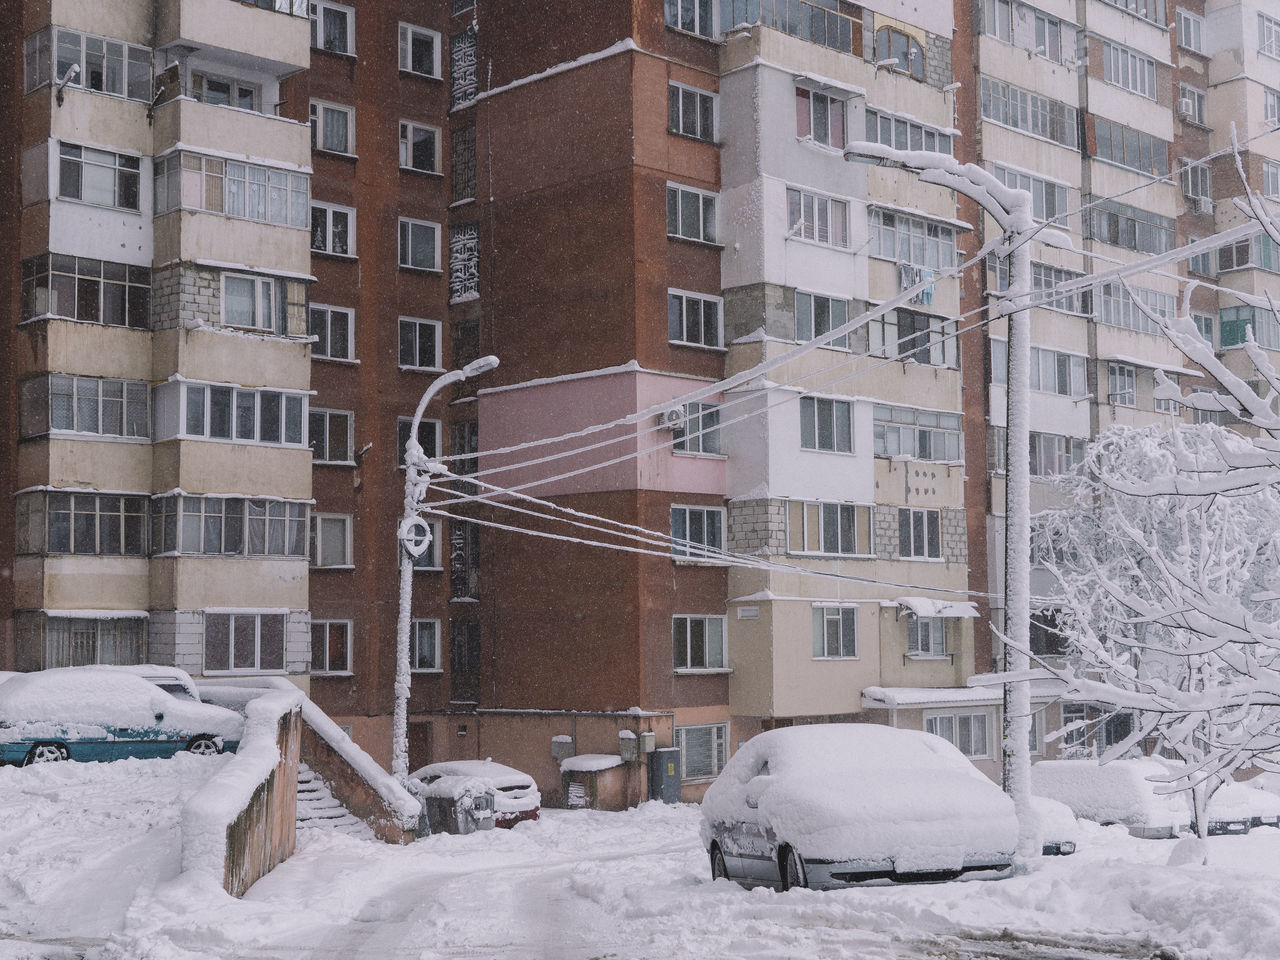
(88,856)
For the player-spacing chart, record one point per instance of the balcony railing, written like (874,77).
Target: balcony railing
(295,8)
(832,23)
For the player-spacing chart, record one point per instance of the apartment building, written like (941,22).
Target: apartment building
(157,369)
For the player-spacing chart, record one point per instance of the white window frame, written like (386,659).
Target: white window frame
(1196,97)
(807,318)
(678,301)
(811,420)
(349,342)
(682,625)
(685,548)
(1190,30)
(678,115)
(919,521)
(84,392)
(405,236)
(809,521)
(319,125)
(891,424)
(1271,105)
(1128,69)
(265,301)
(1048,37)
(233,615)
(95,159)
(328,415)
(1047,373)
(319,542)
(1122,389)
(131,56)
(819,207)
(1268,36)
(1271,179)
(418,323)
(695,7)
(844,616)
(997,20)
(415,636)
(1043,193)
(329,210)
(198,85)
(177,394)
(719,750)
(708,204)
(406,146)
(835,120)
(316,11)
(407,33)
(903,132)
(911,240)
(1196,179)
(940,724)
(700,433)
(326,626)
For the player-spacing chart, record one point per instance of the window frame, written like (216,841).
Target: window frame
(684,622)
(904,132)
(1190,36)
(406,147)
(327,415)
(327,670)
(232,617)
(405,236)
(835,211)
(328,311)
(674,17)
(131,55)
(677,120)
(36,414)
(1122,374)
(176,395)
(1198,99)
(264,288)
(812,315)
(74,154)
(808,526)
(811,425)
(933,719)
(894,417)
(683,298)
(920,519)
(719,743)
(1128,69)
(834,111)
(318,542)
(700,434)
(434,551)
(415,627)
(1268,35)
(708,212)
(406,32)
(417,323)
(47,275)
(316,10)
(685,549)
(316,113)
(329,210)
(64,532)
(843,615)
(910,44)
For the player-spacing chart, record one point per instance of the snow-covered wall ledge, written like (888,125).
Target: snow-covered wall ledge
(243,821)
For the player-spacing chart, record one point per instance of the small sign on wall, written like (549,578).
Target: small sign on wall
(748,613)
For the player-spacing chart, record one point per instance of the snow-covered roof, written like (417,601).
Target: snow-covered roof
(931,607)
(590,762)
(894,697)
(1154,365)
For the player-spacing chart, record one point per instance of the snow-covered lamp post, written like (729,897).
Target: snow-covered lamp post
(1012,211)
(414,538)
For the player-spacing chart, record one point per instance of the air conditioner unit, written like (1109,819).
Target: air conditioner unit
(1201,204)
(672,419)
(1186,109)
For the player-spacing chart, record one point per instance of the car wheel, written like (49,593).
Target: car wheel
(46,753)
(718,869)
(203,746)
(793,870)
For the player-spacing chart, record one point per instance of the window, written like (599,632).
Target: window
(1029,112)
(330,540)
(330,646)
(997,449)
(835,633)
(424,646)
(817,315)
(821,117)
(217,412)
(1271,105)
(1060,373)
(428,438)
(1196,180)
(228,526)
(92,291)
(463,164)
(1049,201)
(429,559)
(1130,227)
(1045,279)
(1204,262)
(1271,179)
(1122,385)
(37,60)
(967,731)
(1204,326)
(333,229)
(419,51)
(419,147)
(464,262)
(895,45)
(997,19)
(903,133)
(333,330)
(700,432)
(1049,37)
(837,529)
(106,66)
(108,408)
(1190,31)
(333,27)
(96,524)
(1131,148)
(1119,310)
(692,16)
(419,343)
(1152,10)
(818,218)
(919,533)
(330,436)
(1191,103)
(905,239)
(333,127)
(1164,405)
(1129,69)
(704,748)
(225,92)
(698,643)
(697,532)
(691,213)
(919,434)
(189,181)
(926,636)
(1259,252)
(97,176)
(419,244)
(249,302)
(464,85)
(691,112)
(910,335)
(1047,640)
(1052,454)
(464,444)
(826,425)
(1000,362)
(79,641)
(694,318)
(1268,35)
(243,642)
(1232,322)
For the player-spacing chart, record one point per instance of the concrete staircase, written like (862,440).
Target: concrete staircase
(318,809)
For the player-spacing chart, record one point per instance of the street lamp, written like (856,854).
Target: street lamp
(1012,211)
(414,538)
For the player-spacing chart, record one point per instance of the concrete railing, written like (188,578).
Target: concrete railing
(242,822)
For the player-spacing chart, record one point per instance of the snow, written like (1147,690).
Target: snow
(590,762)
(931,607)
(622,46)
(453,788)
(1122,791)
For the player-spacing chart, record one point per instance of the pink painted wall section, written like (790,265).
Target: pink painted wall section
(523,414)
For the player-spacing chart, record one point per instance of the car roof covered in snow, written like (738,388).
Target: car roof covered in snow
(500,775)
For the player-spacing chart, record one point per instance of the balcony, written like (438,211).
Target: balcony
(230,131)
(832,23)
(275,32)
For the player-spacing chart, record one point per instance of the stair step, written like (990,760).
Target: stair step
(318,809)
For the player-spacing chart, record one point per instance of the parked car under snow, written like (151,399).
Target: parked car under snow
(105,713)
(1056,828)
(516,796)
(1120,791)
(831,805)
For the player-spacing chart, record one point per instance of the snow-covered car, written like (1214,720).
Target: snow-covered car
(1235,808)
(1056,828)
(103,713)
(516,796)
(1121,791)
(1264,805)
(169,679)
(832,805)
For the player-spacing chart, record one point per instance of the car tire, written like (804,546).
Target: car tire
(203,746)
(46,753)
(793,874)
(718,869)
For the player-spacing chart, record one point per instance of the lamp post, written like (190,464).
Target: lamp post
(414,538)
(1012,211)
